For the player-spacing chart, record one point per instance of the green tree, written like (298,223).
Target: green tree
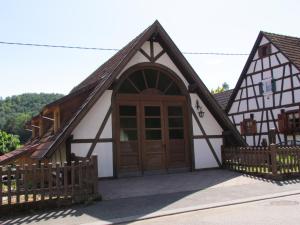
(8,142)
(17,109)
(219,89)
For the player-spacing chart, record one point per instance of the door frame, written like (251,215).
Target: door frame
(115,98)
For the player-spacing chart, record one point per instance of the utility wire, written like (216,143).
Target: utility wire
(111,49)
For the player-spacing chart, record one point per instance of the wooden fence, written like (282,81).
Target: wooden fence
(43,183)
(273,161)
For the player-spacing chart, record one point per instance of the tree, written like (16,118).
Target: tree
(224,87)
(17,109)
(8,142)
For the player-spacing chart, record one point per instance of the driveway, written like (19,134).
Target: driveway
(170,183)
(128,199)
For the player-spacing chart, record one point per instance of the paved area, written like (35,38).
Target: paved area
(135,198)
(277,211)
(170,183)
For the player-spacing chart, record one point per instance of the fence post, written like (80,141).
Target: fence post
(273,151)
(272,136)
(222,156)
(95,173)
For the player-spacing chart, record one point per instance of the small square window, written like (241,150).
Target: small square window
(267,86)
(264,50)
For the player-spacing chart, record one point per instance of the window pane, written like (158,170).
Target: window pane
(128,135)
(163,82)
(151,76)
(173,90)
(126,87)
(138,79)
(176,134)
(174,111)
(175,122)
(127,110)
(152,123)
(153,134)
(128,123)
(152,111)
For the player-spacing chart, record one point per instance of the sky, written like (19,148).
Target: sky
(195,26)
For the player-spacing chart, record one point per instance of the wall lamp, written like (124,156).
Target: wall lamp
(199,109)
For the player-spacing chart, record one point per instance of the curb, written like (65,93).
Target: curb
(194,208)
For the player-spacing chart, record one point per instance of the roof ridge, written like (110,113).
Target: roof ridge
(82,84)
(281,35)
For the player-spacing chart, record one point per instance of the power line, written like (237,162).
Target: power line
(110,49)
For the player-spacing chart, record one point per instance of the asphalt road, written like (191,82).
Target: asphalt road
(277,211)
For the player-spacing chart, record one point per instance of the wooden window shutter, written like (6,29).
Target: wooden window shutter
(242,125)
(273,85)
(281,123)
(261,88)
(254,128)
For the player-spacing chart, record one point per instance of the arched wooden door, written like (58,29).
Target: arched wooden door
(151,125)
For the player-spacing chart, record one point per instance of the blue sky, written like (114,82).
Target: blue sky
(195,26)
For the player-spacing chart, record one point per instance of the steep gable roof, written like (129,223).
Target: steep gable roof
(289,47)
(104,76)
(223,98)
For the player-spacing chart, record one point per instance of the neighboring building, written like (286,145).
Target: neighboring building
(267,94)
(223,98)
(143,111)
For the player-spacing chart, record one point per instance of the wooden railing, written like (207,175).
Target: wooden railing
(42,183)
(272,161)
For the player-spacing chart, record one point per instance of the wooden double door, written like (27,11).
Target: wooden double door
(152,136)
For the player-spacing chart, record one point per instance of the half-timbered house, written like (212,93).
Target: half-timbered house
(143,111)
(267,94)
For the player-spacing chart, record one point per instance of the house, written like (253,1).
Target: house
(143,111)
(267,94)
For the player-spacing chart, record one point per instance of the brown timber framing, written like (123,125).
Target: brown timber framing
(206,137)
(95,141)
(249,60)
(109,75)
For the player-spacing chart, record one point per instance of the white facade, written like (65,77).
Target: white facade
(204,142)
(265,107)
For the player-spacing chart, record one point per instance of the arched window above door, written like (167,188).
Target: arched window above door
(149,81)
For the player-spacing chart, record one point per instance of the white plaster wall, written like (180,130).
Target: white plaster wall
(146,47)
(80,149)
(274,61)
(137,58)
(258,65)
(250,91)
(281,58)
(278,72)
(104,152)
(166,61)
(217,143)
(196,129)
(90,124)
(263,41)
(208,122)
(252,104)
(157,48)
(297,95)
(256,78)
(294,69)
(296,81)
(251,68)
(203,155)
(107,131)
(273,49)
(266,64)
(287,98)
